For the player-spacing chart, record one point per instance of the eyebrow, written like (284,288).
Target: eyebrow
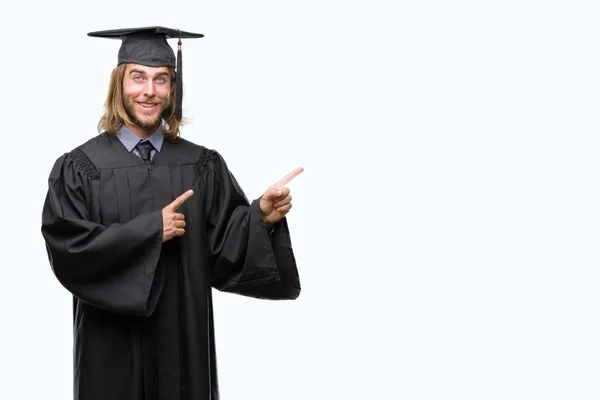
(139,71)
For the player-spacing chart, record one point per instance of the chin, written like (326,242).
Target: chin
(147,120)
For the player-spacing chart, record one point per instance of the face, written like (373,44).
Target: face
(146,94)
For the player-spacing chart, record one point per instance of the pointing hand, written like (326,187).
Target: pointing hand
(174,222)
(275,203)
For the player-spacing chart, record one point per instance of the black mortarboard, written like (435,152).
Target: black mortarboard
(149,46)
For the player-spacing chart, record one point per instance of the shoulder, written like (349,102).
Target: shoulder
(104,151)
(83,155)
(87,146)
(74,165)
(99,142)
(191,153)
(78,158)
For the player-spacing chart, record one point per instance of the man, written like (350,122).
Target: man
(139,224)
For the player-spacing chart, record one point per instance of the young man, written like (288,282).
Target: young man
(139,224)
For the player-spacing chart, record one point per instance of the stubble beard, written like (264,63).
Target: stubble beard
(130,110)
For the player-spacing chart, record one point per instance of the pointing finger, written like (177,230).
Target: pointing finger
(180,200)
(286,179)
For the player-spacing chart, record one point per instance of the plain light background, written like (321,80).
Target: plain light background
(446,226)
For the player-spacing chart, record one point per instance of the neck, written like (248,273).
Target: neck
(141,132)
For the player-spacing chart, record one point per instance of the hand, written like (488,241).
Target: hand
(173,222)
(275,203)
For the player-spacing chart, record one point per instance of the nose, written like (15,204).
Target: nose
(149,88)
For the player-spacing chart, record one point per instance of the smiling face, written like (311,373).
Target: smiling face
(146,95)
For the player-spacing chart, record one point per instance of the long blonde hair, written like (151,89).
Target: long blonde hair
(114,110)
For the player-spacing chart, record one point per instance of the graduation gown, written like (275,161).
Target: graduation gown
(143,316)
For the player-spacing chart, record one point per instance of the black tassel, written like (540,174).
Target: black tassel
(179,84)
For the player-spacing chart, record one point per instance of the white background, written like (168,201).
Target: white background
(446,226)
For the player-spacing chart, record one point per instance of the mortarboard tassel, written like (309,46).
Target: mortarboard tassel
(179,84)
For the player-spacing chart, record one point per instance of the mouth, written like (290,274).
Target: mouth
(148,106)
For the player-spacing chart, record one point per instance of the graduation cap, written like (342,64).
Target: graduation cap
(148,46)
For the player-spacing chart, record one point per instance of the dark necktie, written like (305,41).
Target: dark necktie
(145,148)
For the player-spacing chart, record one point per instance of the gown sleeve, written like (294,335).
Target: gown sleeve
(247,257)
(109,267)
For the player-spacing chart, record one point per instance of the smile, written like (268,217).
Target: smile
(147,105)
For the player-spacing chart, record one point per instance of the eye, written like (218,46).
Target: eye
(161,79)
(137,78)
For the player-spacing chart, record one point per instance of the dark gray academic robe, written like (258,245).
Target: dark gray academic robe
(143,322)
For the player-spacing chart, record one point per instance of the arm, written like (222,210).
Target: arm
(245,258)
(110,267)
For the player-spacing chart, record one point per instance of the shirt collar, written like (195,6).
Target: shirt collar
(130,139)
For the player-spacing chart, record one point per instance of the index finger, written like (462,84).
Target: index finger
(180,200)
(286,179)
